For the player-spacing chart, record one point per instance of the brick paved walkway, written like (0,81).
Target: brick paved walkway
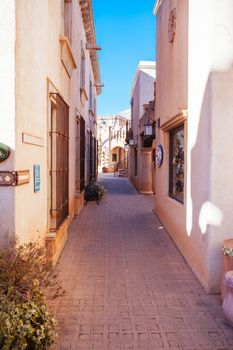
(127,285)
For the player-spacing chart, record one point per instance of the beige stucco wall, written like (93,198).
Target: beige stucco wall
(37,58)
(197,71)
(171,60)
(7,108)
(34,69)
(142,92)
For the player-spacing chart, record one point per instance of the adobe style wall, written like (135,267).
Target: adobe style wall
(195,73)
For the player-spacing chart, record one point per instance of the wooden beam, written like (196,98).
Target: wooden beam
(93,47)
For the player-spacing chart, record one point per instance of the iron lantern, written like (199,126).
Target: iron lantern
(131,142)
(148,128)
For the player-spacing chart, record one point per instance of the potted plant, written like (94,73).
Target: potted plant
(94,192)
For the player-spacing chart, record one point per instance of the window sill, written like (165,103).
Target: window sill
(175,201)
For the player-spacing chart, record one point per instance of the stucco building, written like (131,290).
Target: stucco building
(112,131)
(50,80)
(141,164)
(194,94)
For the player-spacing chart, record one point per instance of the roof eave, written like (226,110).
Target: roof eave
(88,21)
(158,3)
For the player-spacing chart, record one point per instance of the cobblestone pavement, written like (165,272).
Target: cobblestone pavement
(128,287)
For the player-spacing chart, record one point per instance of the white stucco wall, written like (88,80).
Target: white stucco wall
(142,92)
(211,122)
(7,108)
(117,124)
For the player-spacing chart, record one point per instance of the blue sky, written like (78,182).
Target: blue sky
(125,30)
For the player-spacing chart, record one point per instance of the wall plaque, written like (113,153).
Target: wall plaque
(4,152)
(159,155)
(36,169)
(32,140)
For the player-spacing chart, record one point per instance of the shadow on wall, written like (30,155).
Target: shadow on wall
(212,168)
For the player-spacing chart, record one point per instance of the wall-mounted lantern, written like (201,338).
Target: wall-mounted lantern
(131,142)
(148,128)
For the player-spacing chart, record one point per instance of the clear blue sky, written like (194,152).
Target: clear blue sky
(125,30)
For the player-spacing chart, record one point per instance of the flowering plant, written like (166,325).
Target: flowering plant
(227,251)
(94,192)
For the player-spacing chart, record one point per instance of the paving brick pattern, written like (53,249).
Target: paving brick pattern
(128,287)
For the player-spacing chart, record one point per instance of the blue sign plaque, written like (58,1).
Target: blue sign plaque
(36,178)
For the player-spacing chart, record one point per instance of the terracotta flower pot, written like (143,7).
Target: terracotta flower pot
(227,262)
(228,298)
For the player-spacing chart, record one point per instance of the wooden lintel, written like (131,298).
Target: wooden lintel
(93,47)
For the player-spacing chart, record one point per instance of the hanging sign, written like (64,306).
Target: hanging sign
(14,178)
(7,178)
(4,152)
(23,177)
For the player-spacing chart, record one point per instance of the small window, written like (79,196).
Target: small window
(176,164)
(90,95)
(82,72)
(114,157)
(67,18)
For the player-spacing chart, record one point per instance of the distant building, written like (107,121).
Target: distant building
(50,80)
(112,132)
(141,161)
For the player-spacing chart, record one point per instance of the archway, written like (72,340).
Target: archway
(118,157)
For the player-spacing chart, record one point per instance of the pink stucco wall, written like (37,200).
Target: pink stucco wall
(195,73)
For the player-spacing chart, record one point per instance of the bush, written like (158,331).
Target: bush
(25,278)
(94,192)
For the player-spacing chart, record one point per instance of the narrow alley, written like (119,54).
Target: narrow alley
(127,286)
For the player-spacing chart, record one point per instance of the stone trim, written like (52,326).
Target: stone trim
(88,21)
(175,121)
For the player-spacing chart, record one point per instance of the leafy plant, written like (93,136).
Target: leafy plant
(94,192)
(25,278)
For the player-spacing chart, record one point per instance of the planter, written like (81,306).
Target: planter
(228,297)
(227,262)
(105,169)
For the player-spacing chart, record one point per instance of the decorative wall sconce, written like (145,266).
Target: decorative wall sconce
(149,126)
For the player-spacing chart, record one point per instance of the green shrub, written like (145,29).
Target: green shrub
(25,278)
(94,192)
